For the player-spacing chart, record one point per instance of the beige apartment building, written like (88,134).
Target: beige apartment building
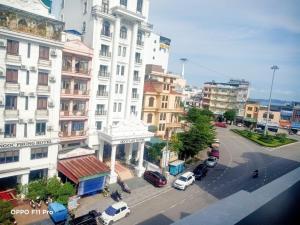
(162,103)
(251,111)
(274,117)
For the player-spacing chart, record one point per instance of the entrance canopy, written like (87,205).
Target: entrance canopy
(82,168)
(127,131)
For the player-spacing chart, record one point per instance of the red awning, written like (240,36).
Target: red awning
(81,167)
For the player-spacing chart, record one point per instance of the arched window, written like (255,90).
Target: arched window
(106,28)
(139,6)
(123,33)
(149,118)
(151,102)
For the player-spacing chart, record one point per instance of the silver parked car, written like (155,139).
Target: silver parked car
(211,161)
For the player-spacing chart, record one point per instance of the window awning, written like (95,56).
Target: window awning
(82,168)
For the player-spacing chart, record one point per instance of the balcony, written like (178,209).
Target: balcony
(65,91)
(140,43)
(103,75)
(137,79)
(12,86)
(135,96)
(102,93)
(79,113)
(46,63)
(81,92)
(11,113)
(41,114)
(101,112)
(138,61)
(73,135)
(13,59)
(101,11)
(106,35)
(43,89)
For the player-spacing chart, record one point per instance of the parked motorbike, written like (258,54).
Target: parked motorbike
(38,202)
(125,187)
(105,191)
(117,196)
(32,204)
(255,174)
(48,200)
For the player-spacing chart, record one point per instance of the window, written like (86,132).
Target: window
(104,50)
(65,84)
(77,126)
(28,50)
(11,75)
(99,125)
(124,52)
(106,29)
(42,103)
(39,153)
(149,118)
(136,76)
(103,70)
(10,130)
(102,90)
(40,128)
(27,77)
(121,89)
(116,88)
(81,65)
(249,115)
(271,116)
(26,103)
(138,57)
(123,3)
(12,47)
(25,130)
(134,93)
(119,107)
(80,85)
(100,109)
(133,109)
(118,69)
(123,33)
(151,102)
(250,108)
(119,50)
(140,38)
(105,6)
(66,63)
(79,106)
(139,6)
(11,102)
(122,70)
(44,53)
(43,78)
(161,127)
(85,7)
(64,106)
(9,156)
(115,107)
(162,116)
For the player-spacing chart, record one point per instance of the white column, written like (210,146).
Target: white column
(24,179)
(140,169)
(113,175)
(115,46)
(128,152)
(101,149)
(131,70)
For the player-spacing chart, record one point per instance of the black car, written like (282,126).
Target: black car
(87,219)
(200,171)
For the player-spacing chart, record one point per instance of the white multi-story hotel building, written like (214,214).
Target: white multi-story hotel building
(116,31)
(30,74)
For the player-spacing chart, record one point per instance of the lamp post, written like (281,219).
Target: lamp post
(274,68)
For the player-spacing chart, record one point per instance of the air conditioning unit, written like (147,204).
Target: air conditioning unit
(31,94)
(51,104)
(30,120)
(21,121)
(53,53)
(22,94)
(2,43)
(52,79)
(32,68)
(23,67)
(49,128)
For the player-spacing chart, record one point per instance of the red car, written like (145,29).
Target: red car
(155,178)
(220,124)
(214,153)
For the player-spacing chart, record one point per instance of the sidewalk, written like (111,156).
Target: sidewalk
(141,190)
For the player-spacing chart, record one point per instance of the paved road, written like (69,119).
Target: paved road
(239,157)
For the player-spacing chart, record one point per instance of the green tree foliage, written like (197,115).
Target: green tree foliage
(37,189)
(64,192)
(176,144)
(154,151)
(5,216)
(230,115)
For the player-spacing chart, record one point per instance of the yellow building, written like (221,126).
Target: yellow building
(161,104)
(251,111)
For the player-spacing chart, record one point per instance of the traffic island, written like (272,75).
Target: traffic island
(271,141)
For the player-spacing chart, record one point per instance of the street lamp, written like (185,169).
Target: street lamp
(274,68)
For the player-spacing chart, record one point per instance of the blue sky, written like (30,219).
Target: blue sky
(234,39)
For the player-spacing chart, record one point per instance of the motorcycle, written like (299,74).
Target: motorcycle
(38,202)
(125,187)
(255,174)
(116,196)
(32,204)
(105,191)
(48,200)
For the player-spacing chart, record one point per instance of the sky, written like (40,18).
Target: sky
(225,39)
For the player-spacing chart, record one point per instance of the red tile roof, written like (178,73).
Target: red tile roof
(149,87)
(80,167)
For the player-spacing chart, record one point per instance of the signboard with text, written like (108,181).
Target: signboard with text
(24,144)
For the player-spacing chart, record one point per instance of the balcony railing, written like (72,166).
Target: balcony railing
(44,63)
(101,112)
(106,34)
(43,88)
(11,113)
(41,113)
(104,74)
(105,54)
(79,113)
(102,93)
(16,59)
(140,43)
(66,134)
(12,86)
(138,61)
(100,9)
(80,92)
(136,79)
(135,96)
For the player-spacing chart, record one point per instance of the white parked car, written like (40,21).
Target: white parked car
(184,180)
(114,213)
(239,125)
(216,140)
(211,161)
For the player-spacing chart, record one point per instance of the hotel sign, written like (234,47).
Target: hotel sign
(24,144)
(131,140)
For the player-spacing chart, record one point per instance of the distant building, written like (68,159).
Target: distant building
(220,97)
(273,120)
(251,111)
(295,120)
(162,105)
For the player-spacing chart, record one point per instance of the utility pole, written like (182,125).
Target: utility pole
(183,60)
(274,68)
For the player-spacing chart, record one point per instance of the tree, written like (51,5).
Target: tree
(5,213)
(230,115)
(37,189)
(154,151)
(64,192)
(176,144)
